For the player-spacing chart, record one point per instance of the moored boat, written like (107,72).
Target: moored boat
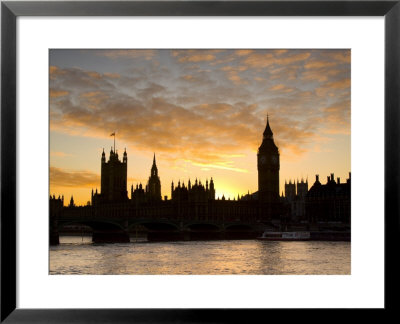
(285,236)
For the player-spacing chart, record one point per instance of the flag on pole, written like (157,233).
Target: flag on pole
(113,134)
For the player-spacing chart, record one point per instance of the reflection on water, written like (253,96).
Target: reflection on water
(77,255)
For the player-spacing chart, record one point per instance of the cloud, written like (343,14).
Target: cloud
(337,118)
(59,154)
(195,56)
(342,56)
(340,84)
(319,64)
(334,88)
(232,73)
(55,71)
(267,59)
(146,54)
(57,93)
(243,52)
(77,179)
(281,88)
(204,113)
(112,75)
(227,165)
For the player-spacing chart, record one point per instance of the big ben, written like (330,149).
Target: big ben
(268,170)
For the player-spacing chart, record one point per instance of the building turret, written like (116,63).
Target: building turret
(302,188)
(125,158)
(71,202)
(103,157)
(113,178)
(154,170)
(212,190)
(290,190)
(154,183)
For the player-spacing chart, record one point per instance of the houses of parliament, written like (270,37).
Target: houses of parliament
(114,179)
(114,183)
(196,202)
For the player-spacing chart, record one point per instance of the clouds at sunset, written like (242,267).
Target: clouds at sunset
(75,179)
(172,116)
(147,54)
(201,106)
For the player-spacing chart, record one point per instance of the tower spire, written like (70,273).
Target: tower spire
(268,132)
(154,170)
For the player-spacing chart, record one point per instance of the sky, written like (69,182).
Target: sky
(201,111)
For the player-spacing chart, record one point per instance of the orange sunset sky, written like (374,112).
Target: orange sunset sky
(202,112)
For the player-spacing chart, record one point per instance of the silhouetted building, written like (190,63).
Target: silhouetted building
(302,188)
(193,193)
(113,179)
(329,202)
(153,188)
(295,194)
(138,195)
(195,205)
(55,209)
(71,202)
(290,190)
(268,174)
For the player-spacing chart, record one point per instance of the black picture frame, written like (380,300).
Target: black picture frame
(11,10)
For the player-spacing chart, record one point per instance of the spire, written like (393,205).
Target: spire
(125,158)
(103,157)
(71,202)
(268,132)
(154,170)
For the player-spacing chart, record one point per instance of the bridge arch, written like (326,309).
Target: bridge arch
(93,224)
(104,231)
(155,225)
(202,227)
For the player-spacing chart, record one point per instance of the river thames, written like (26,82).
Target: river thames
(77,255)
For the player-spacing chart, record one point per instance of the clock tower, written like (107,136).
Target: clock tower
(268,170)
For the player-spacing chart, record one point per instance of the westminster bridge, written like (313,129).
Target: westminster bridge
(164,220)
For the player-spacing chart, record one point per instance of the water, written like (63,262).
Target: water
(76,255)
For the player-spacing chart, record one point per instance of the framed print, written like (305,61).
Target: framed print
(234,123)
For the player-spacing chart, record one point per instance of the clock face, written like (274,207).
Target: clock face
(263,159)
(274,159)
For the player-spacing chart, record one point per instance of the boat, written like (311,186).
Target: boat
(284,236)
